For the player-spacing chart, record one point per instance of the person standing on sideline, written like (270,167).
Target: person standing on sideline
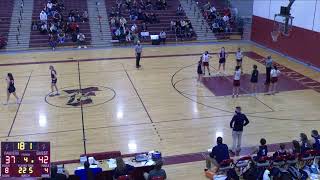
(11,89)
(54,79)
(237,123)
(239,58)
(163,36)
(222,59)
(205,61)
(138,51)
(236,82)
(254,80)
(268,70)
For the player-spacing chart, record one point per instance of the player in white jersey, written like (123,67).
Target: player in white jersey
(205,61)
(239,57)
(274,80)
(236,82)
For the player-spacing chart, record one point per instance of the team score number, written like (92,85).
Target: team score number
(25,170)
(43,159)
(10,159)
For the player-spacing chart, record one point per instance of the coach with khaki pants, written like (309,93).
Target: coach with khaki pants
(237,123)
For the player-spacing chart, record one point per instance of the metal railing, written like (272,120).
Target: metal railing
(20,18)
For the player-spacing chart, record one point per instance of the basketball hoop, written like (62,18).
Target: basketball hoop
(274,35)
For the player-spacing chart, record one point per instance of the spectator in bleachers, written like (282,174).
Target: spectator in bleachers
(144,27)
(61,37)
(219,153)
(316,140)
(128,3)
(3,42)
(85,16)
(156,172)
(213,9)
(163,36)
(225,19)
(44,28)
(34,26)
(52,41)
(49,6)
(149,5)
(154,18)
(304,143)
(179,10)
(81,40)
(43,17)
(215,27)
(123,21)
(262,150)
(128,35)
(122,168)
(53,28)
(133,15)
(173,25)
(206,6)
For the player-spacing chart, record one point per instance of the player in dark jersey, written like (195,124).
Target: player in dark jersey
(199,70)
(222,58)
(11,89)
(54,79)
(254,79)
(262,150)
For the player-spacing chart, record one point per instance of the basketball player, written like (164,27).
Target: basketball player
(274,80)
(138,51)
(54,79)
(222,59)
(11,89)
(239,57)
(236,82)
(205,61)
(254,80)
(199,70)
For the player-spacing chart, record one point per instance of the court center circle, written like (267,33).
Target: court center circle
(88,96)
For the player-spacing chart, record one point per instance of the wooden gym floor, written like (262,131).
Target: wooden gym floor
(159,107)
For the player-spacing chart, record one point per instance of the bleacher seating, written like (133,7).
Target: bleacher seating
(39,40)
(165,17)
(221,6)
(6,8)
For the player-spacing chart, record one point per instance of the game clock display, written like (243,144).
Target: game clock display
(25,159)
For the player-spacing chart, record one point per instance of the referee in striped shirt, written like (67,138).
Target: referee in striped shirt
(138,51)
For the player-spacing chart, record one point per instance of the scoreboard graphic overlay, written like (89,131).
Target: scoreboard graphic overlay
(25,159)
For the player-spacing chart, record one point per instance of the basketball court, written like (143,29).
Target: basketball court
(159,107)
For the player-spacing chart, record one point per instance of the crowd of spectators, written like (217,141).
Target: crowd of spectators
(182,28)
(141,16)
(219,21)
(301,148)
(119,27)
(60,25)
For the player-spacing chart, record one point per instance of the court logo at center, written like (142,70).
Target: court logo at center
(73,97)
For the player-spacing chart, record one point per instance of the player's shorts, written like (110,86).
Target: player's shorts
(236,83)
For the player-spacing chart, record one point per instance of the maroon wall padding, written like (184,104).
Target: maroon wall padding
(302,44)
